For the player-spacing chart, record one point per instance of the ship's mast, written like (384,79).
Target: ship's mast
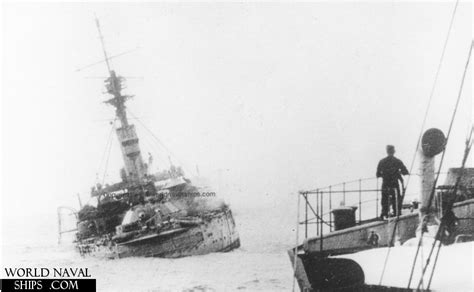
(135,169)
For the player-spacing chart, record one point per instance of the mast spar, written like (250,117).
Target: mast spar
(102,42)
(135,169)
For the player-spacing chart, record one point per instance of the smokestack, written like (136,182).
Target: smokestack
(432,143)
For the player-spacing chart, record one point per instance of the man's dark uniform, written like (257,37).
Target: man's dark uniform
(391,169)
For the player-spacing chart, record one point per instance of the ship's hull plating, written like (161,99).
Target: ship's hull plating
(216,234)
(357,238)
(314,271)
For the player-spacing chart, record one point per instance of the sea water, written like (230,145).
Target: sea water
(260,264)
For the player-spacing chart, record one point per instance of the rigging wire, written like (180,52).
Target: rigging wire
(469,142)
(158,140)
(434,265)
(452,122)
(107,161)
(108,59)
(390,243)
(440,233)
(415,260)
(435,81)
(443,222)
(150,145)
(421,262)
(109,141)
(297,240)
(430,199)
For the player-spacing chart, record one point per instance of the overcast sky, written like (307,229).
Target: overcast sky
(266,99)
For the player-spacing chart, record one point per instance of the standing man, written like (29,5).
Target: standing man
(391,169)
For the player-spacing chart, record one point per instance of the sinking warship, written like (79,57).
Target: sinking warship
(147,214)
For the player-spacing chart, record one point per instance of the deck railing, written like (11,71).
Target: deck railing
(65,211)
(350,193)
(363,193)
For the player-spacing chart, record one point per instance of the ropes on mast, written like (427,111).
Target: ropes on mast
(103,45)
(430,200)
(466,154)
(452,121)
(160,143)
(435,81)
(106,152)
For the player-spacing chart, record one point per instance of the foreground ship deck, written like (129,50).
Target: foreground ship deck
(319,262)
(358,238)
(445,215)
(316,267)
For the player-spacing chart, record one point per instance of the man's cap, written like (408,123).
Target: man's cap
(390,148)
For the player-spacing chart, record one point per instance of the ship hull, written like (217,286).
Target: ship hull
(357,238)
(314,271)
(215,234)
